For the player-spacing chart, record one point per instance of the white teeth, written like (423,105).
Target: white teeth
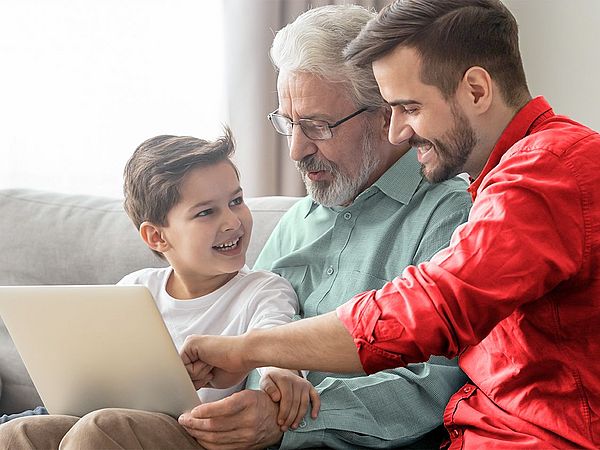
(227,245)
(424,148)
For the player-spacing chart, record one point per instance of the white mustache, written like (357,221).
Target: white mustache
(311,164)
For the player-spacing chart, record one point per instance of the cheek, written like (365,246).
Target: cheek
(246,219)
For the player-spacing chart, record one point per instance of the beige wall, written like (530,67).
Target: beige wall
(560,43)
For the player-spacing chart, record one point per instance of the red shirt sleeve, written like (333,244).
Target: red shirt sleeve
(524,237)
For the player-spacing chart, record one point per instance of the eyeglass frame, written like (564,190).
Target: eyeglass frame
(300,121)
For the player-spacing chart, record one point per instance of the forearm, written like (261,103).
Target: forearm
(320,343)
(386,410)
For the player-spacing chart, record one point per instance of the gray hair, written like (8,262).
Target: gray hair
(315,43)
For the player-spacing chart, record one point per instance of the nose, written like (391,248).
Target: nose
(300,145)
(230,221)
(400,131)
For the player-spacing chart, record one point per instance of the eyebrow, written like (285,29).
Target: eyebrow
(323,117)
(401,102)
(201,204)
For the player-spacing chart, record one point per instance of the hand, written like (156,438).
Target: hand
(202,374)
(293,393)
(198,352)
(244,420)
(221,379)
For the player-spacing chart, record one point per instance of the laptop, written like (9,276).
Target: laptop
(93,347)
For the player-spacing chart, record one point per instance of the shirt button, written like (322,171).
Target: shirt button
(455,434)
(302,424)
(467,389)
(330,270)
(348,216)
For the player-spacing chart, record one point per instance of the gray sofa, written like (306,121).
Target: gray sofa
(53,238)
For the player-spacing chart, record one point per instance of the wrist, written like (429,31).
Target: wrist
(249,350)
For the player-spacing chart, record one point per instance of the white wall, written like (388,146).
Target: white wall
(560,44)
(83,82)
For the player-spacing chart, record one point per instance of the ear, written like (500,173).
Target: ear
(384,115)
(477,89)
(153,237)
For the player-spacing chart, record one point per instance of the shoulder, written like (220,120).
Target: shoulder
(262,279)
(557,136)
(146,276)
(452,192)
(298,210)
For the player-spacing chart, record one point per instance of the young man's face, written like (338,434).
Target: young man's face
(209,229)
(438,128)
(335,170)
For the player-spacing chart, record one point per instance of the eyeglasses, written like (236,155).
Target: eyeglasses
(312,129)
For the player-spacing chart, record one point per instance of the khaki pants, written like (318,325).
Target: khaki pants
(104,429)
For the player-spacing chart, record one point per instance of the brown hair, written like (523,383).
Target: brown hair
(154,173)
(450,36)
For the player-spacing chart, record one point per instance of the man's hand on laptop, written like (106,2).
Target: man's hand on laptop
(210,361)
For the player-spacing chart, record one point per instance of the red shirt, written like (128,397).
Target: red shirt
(516,295)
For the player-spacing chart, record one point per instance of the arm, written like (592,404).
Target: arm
(319,343)
(525,236)
(385,410)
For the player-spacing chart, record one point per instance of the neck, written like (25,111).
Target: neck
(489,129)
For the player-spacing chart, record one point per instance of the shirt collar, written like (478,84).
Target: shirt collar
(399,182)
(521,125)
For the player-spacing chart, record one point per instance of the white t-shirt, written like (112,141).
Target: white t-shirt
(252,299)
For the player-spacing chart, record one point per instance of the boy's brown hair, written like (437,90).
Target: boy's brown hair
(450,36)
(154,173)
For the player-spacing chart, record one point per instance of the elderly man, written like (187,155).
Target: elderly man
(369,214)
(517,293)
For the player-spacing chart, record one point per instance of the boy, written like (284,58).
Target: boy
(184,196)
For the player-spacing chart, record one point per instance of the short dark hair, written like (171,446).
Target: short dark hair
(154,173)
(450,36)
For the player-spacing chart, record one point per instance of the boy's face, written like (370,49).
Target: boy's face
(209,229)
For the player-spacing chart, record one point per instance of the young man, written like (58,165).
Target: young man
(517,293)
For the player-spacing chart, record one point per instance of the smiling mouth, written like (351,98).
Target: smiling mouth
(425,152)
(226,246)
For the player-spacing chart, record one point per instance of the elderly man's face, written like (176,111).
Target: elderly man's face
(335,170)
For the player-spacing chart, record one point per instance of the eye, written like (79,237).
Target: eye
(409,110)
(237,201)
(204,212)
(315,125)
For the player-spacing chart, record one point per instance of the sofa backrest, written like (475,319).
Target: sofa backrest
(53,238)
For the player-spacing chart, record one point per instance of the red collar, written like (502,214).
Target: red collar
(522,124)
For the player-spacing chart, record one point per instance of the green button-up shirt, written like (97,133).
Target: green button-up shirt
(331,254)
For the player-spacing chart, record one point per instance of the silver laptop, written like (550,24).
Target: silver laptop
(93,347)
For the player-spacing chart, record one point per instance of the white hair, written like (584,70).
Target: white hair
(315,43)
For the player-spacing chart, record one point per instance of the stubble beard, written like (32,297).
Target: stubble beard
(452,151)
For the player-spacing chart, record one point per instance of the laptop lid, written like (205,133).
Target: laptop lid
(93,347)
